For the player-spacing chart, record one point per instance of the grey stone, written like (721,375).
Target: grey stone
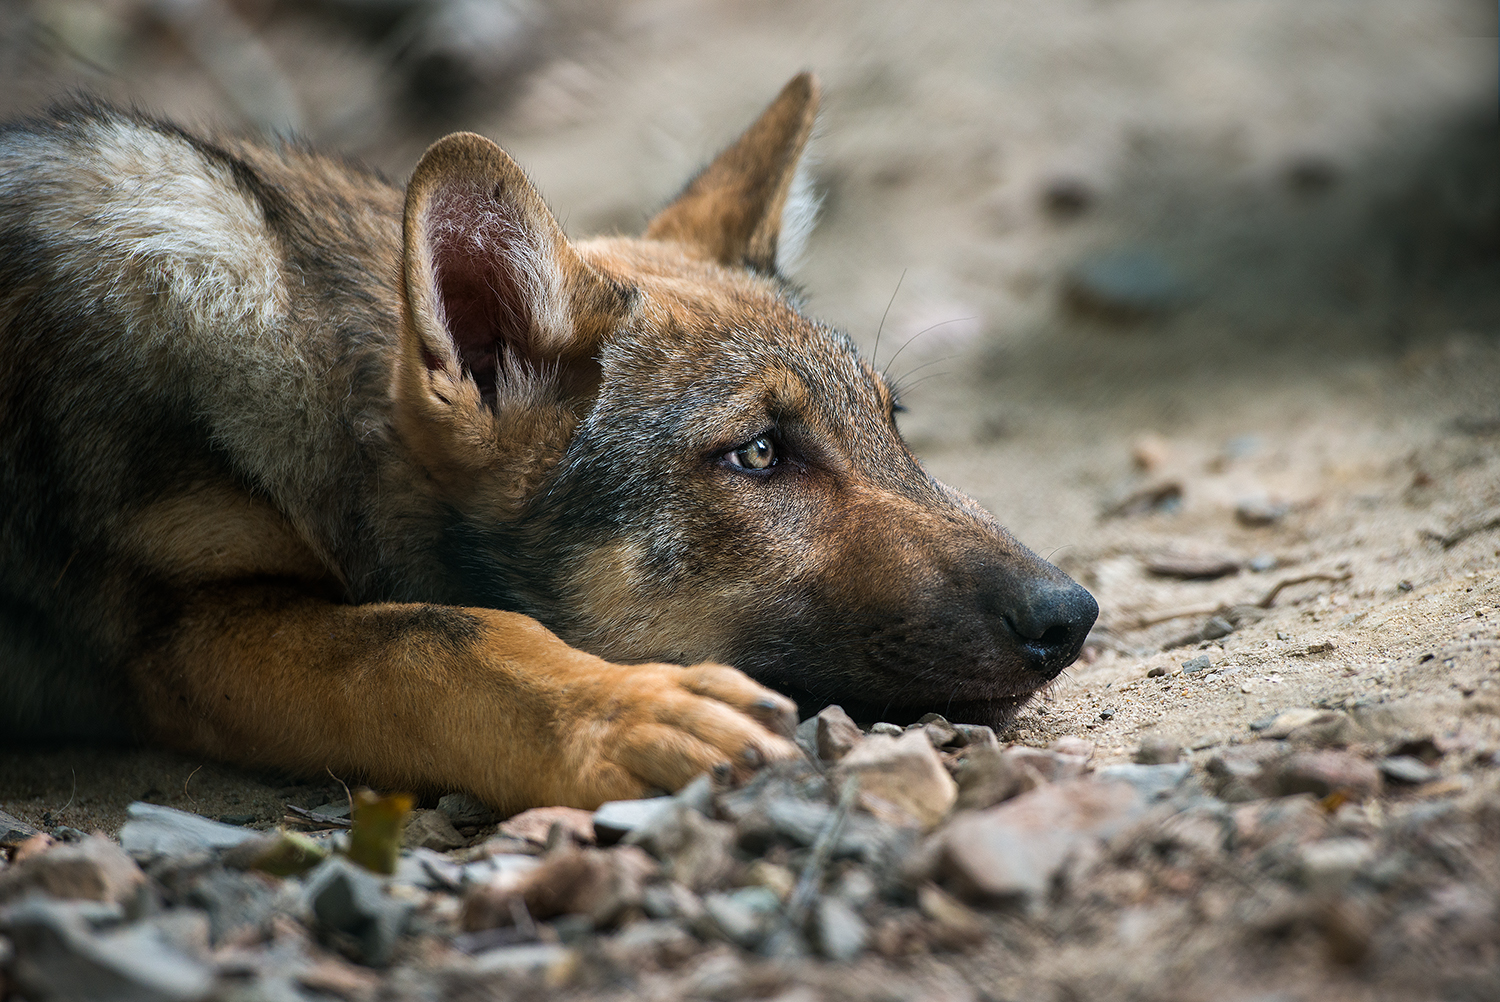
(696,851)
(95,870)
(618,818)
(233,900)
(1257,512)
(1324,772)
(838,931)
(346,898)
(154,831)
(740,919)
(1010,853)
(431,830)
(1158,751)
(1198,664)
(806,738)
(527,958)
(1407,769)
(671,900)
(466,812)
(901,779)
(888,729)
(698,795)
(14,831)
(836,734)
(1332,863)
(977,736)
(58,956)
(1152,781)
(941,733)
(491,868)
(1125,284)
(430,870)
(986,778)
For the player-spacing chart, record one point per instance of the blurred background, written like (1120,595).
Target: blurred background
(1258,240)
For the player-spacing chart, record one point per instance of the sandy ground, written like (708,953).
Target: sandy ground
(1312,182)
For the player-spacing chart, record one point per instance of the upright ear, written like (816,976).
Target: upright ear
(732,212)
(494,293)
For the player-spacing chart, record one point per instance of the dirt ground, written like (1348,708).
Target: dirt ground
(1298,378)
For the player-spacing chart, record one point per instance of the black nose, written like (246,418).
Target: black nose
(1051,620)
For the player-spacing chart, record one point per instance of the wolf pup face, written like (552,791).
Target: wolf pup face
(647,446)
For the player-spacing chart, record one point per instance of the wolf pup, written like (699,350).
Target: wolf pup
(300,472)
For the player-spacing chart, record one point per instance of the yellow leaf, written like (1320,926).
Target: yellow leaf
(375,839)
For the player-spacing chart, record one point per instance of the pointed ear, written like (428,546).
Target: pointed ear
(493,291)
(732,211)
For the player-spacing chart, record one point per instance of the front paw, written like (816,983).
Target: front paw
(656,727)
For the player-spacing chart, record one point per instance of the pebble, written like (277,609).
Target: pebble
(431,830)
(95,869)
(1259,512)
(1010,853)
(618,818)
(526,958)
(536,824)
(1407,769)
(344,897)
(153,831)
(1125,284)
(1158,751)
(466,812)
(1200,663)
(838,931)
(901,779)
(695,851)
(1189,568)
(1325,772)
(835,734)
(1152,781)
(1332,863)
(986,778)
(58,955)
(14,831)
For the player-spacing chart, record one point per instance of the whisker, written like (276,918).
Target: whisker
(875,354)
(924,330)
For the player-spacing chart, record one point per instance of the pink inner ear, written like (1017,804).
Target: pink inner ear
(485,277)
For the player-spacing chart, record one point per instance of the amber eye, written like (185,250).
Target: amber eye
(757,455)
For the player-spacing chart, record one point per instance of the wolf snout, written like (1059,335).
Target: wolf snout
(1050,620)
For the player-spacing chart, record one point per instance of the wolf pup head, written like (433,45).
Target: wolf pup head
(645,444)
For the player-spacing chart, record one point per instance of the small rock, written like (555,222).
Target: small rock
(466,812)
(1188,568)
(155,831)
(1124,285)
(1330,864)
(344,897)
(618,818)
(1324,772)
(1287,721)
(1215,628)
(900,776)
(1259,512)
(92,870)
(1201,663)
(14,831)
(431,830)
(1071,744)
(835,734)
(838,931)
(941,733)
(535,825)
(1152,781)
(670,900)
(977,736)
(1316,647)
(653,943)
(743,917)
(235,902)
(957,926)
(58,956)
(857,887)
(772,876)
(1045,766)
(603,885)
(1157,671)
(526,958)
(986,778)
(1066,198)
(888,729)
(1158,751)
(1294,820)
(806,737)
(1407,769)
(695,851)
(1011,852)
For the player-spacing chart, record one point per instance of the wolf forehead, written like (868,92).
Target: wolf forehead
(709,349)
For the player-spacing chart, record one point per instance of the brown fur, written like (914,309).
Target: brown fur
(298,473)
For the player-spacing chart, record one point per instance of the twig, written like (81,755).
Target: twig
(822,852)
(301,815)
(1478,524)
(185,795)
(1205,609)
(1266,602)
